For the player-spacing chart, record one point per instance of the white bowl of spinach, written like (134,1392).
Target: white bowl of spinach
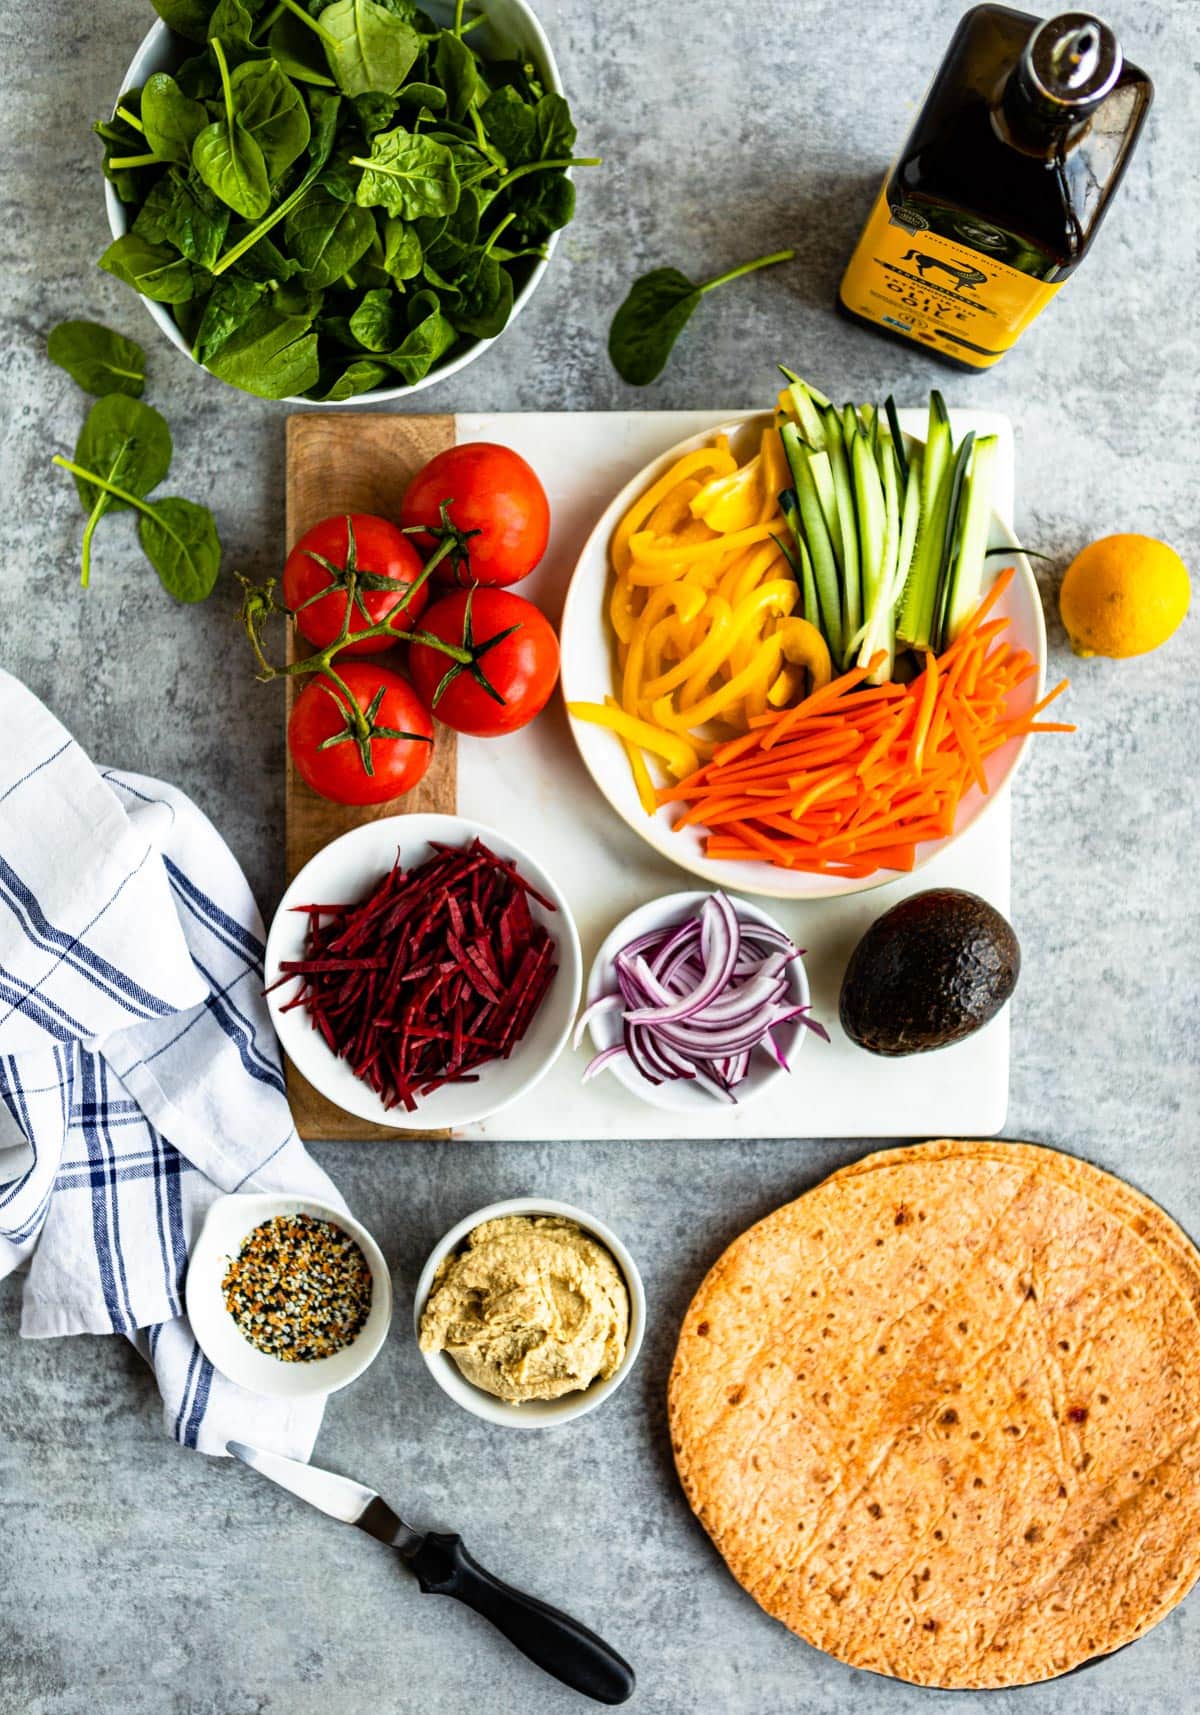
(337,200)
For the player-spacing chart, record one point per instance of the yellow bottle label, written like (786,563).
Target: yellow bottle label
(936,292)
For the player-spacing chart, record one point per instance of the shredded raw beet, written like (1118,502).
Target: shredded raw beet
(437,971)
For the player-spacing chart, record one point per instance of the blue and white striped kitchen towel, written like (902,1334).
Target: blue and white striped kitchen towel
(139,1074)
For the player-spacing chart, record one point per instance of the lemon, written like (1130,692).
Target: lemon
(1123,595)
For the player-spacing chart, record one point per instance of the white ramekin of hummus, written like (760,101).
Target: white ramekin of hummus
(529,1313)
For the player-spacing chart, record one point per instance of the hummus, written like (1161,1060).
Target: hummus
(532,1308)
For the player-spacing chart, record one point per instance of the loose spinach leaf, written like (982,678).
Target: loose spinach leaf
(181,211)
(100,360)
(379,322)
(644,329)
(228,158)
(172,119)
(326,237)
(375,50)
(179,538)
(123,442)
(271,110)
(409,176)
(154,270)
(188,18)
(401,250)
(270,354)
(656,311)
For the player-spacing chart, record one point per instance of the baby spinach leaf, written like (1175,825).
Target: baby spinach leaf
(154,270)
(421,95)
(375,49)
(270,354)
(266,263)
(408,175)
(199,77)
(510,125)
(231,303)
(430,337)
(298,50)
(401,250)
(554,127)
(179,538)
(100,360)
(232,23)
(379,322)
(543,203)
(339,177)
(122,144)
(182,211)
(457,71)
(485,299)
(124,442)
(228,158)
(656,311)
(327,237)
(172,119)
(271,110)
(358,377)
(188,18)
(375,111)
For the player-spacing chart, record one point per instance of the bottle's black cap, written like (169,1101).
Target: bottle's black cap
(1070,64)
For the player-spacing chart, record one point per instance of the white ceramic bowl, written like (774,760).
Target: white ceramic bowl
(227,1224)
(587,676)
(534,1413)
(508,23)
(347,869)
(681,1096)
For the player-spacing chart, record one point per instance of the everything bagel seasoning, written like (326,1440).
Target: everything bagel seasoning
(299,1288)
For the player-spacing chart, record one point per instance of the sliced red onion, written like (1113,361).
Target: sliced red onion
(698,999)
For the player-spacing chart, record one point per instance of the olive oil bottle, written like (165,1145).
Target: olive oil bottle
(998,193)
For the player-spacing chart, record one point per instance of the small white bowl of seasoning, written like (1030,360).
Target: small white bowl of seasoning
(287,1296)
(541,1219)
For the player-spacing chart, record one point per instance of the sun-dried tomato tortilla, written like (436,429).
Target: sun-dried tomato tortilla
(941,1415)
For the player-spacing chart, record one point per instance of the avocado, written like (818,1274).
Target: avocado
(929,972)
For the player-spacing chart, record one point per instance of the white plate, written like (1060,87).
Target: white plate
(347,869)
(228,1222)
(587,676)
(681,1096)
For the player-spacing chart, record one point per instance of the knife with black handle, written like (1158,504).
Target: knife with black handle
(443,1567)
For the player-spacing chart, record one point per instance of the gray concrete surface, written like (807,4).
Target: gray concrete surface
(137,1580)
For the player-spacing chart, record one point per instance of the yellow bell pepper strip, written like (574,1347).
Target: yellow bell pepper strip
(730,503)
(637,767)
(675,509)
(656,562)
(775,466)
(679,756)
(686,600)
(804,646)
(716,458)
(623,605)
(703,660)
(762,668)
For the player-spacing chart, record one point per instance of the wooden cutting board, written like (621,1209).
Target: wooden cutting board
(336,463)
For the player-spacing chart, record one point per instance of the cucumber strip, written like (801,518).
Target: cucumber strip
(847,521)
(822,474)
(800,561)
(918,605)
(816,536)
(950,540)
(872,519)
(910,518)
(880,630)
(889,472)
(850,425)
(808,416)
(889,406)
(964,586)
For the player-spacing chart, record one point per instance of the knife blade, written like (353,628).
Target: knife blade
(442,1565)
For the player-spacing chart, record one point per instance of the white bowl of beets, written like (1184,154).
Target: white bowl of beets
(276,361)
(423,972)
(697,999)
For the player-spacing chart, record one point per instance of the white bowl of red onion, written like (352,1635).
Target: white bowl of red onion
(697,998)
